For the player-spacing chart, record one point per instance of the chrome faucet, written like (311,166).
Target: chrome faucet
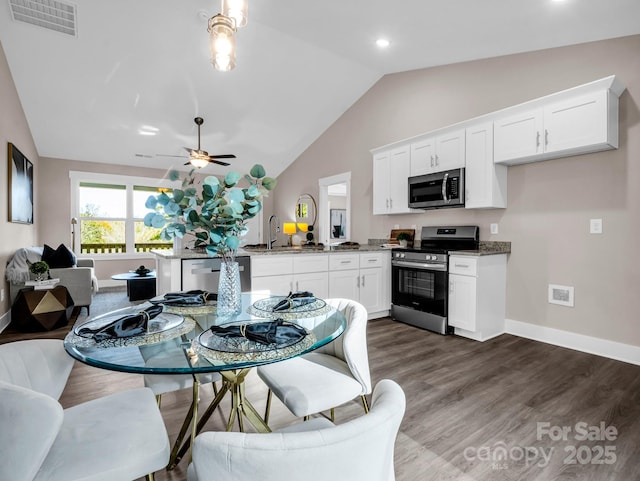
(270,241)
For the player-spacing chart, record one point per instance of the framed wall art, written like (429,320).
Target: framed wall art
(20,187)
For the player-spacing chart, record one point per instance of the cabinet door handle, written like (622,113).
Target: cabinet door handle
(387,202)
(450,287)
(391,203)
(345,262)
(432,161)
(537,139)
(546,137)
(465,266)
(297,288)
(362,281)
(437,160)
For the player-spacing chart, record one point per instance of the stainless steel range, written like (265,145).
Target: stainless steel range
(420,279)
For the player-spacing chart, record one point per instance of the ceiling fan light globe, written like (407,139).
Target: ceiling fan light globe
(199,162)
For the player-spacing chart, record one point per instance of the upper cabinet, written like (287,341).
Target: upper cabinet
(486,182)
(437,153)
(391,170)
(576,121)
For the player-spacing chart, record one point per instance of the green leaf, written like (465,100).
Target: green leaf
(202,235)
(172,209)
(236,195)
(269,183)
(231,178)
(163,199)
(232,242)
(253,191)
(157,221)
(174,175)
(178,195)
(190,192)
(257,171)
(211,180)
(151,202)
(148,218)
(193,216)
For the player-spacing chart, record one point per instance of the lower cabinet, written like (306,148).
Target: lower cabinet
(477,295)
(280,274)
(362,277)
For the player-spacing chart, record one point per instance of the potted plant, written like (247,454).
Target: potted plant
(215,213)
(403,238)
(40,270)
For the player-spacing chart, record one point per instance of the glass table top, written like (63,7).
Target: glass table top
(188,345)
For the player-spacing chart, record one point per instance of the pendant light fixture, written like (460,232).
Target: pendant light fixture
(222,33)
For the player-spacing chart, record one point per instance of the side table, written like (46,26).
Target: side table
(138,287)
(41,310)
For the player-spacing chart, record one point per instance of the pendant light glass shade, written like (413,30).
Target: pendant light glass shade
(222,42)
(236,9)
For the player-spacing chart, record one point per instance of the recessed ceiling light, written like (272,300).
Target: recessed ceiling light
(382,42)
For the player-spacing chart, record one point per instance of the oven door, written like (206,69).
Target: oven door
(420,286)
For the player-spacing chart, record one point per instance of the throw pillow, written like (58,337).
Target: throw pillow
(60,258)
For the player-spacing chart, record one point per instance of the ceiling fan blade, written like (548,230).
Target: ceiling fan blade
(219,162)
(223,156)
(166,155)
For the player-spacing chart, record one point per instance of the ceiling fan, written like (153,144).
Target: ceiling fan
(200,158)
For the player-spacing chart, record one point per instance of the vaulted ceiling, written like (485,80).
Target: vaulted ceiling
(127,86)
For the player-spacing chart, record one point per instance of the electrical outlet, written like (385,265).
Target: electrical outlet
(494,228)
(1,295)
(595,226)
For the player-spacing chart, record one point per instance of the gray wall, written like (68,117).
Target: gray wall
(14,129)
(550,203)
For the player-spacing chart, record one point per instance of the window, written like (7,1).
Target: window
(110,211)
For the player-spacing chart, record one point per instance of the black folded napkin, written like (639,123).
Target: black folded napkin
(194,297)
(269,332)
(126,326)
(293,300)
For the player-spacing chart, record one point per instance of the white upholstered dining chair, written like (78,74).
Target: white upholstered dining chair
(317,450)
(117,437)
(328,377)
(41,365)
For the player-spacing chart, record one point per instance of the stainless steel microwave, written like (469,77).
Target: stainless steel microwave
(437,190)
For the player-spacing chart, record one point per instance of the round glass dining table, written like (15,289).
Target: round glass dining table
(180,341)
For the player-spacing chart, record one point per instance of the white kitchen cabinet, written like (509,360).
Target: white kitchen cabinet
(391,169)
(573,125)
(485,181)
(477,294)
(363,277)
(437,153)
(280,274)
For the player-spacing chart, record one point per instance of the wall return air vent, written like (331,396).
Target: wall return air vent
(50,14)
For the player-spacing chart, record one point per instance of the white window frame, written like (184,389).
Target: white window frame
(77,177)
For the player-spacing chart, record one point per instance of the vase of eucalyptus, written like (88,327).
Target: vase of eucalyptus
(229,289)
(213,211)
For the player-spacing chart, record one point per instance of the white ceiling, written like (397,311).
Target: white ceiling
(300,65)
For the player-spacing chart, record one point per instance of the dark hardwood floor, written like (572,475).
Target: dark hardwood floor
(475,411)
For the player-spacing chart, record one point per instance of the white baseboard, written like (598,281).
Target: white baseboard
(5,320)
(579,342)
(110,283)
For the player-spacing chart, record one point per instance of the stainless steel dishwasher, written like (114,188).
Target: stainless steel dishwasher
(205,273)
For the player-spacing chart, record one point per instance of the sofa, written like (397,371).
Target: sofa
(80,279)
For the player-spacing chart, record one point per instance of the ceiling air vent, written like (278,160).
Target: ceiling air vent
(57,16)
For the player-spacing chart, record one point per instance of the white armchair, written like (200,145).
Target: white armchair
(328,377)
(317,450)
(117,437)
(80,280)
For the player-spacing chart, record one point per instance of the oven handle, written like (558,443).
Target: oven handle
(420,265)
